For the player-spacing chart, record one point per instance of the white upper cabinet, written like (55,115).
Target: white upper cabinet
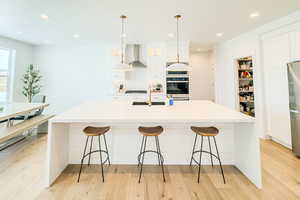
(183,52)
(295,45)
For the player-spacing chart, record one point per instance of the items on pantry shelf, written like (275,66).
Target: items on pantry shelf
(245,74)
(245,64)
(246,97)
(246,88)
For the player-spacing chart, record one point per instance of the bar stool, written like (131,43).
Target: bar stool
(91,132)
(209,132)
(150,131)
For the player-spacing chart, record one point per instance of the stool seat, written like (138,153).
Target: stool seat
(151,131)
(95,131)
(205,131)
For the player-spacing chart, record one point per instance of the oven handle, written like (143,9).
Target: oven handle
(178,76)
(177,81)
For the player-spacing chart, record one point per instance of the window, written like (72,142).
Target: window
(6,63)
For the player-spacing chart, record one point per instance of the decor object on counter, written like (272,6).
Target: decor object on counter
(31,80)
(122,66)
(121,88)
(178,64)
(170,100)
(158,87)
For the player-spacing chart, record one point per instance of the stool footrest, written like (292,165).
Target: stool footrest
(217,155)
(150,151)
(95,151)
(203,151)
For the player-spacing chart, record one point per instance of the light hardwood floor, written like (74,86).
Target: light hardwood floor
(22,175)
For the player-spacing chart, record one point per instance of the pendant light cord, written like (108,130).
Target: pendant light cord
(123,17)
(177,18)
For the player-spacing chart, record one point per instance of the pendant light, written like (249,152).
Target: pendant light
(178,65)
(122,66)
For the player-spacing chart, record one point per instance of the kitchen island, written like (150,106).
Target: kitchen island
(238,140)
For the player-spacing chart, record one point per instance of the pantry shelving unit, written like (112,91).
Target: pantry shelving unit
(245,86)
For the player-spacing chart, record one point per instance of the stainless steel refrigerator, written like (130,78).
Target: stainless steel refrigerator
(294,97)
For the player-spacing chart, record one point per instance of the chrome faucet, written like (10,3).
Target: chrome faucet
(150,93)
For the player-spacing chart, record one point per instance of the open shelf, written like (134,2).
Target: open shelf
(250,69)
(246,79)
(245,88)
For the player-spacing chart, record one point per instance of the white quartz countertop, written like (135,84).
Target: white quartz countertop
(125,112)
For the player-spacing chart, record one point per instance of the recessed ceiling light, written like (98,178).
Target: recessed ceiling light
(171,35)
(44,17)
(219,34)
(254,14)
(19,32)
(76,36)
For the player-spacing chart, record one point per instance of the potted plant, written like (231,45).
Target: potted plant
(31,80)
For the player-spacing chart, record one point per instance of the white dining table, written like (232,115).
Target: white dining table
(10,110)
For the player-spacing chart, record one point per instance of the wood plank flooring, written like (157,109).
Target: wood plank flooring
(22,176)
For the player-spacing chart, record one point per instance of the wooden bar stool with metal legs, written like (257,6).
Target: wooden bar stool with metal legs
(208,132)
(90,132)
(150,131)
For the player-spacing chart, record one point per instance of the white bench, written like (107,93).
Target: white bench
(7,133)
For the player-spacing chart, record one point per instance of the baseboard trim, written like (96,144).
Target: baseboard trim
(280,142)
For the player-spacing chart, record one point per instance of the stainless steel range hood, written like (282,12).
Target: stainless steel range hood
(133,55)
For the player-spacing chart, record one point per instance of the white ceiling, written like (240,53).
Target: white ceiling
(98,20)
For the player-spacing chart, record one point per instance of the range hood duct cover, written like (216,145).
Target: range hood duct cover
(133,55)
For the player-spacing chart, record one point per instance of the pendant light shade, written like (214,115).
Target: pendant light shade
(178,65)
(122,66)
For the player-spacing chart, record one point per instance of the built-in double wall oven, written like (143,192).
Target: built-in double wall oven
(178,85)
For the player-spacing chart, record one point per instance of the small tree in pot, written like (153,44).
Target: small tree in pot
(31,80)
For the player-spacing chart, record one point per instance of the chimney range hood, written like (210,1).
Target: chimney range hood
(133,52)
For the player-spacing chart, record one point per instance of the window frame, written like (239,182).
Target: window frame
(10,74)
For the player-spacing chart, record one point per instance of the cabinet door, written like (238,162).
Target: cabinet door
(276,55)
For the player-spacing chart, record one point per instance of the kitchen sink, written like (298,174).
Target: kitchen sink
(144,103)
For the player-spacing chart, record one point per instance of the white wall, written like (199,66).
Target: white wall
(74,74)
(249,44)
(24,57)
(202,76)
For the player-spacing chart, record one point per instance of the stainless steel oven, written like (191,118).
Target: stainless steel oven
(178,84)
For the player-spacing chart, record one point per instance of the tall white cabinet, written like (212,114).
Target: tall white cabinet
(279,47)
(276,51)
